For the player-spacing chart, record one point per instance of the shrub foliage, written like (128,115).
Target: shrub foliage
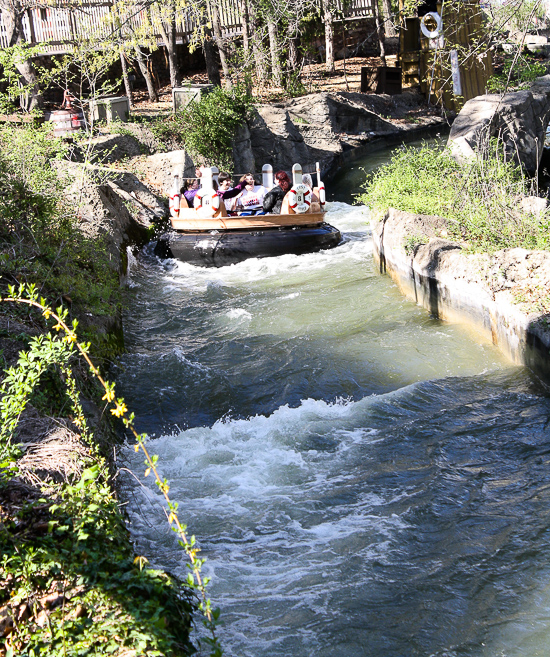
(207,127)
(480,199)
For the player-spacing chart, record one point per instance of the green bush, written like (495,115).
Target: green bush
(30,185)
(524,71)
(40,241)
(480,199)
(206,127)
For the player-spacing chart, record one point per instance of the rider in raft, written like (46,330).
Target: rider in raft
(226,191)
(274,198)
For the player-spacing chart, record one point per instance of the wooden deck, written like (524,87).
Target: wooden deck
(59,23)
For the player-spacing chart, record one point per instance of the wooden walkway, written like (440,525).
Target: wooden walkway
(59,23)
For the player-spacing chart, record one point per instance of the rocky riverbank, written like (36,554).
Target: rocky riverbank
(503,294)
(67,562)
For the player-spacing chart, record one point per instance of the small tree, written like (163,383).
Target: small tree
(20,56)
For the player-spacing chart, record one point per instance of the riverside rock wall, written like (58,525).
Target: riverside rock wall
(322,127)
(479,290)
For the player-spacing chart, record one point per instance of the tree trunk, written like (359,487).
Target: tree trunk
(329,37)
(224,57)
(175,77)
(125,78)
(276,70)
(243,8)
(153,96)
(389,27)
(380,33)
(13,20)
(168,33)
(259,59)
(210,58)
(293,54)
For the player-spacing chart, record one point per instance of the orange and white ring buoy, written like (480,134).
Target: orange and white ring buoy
(207,202)
(299,198)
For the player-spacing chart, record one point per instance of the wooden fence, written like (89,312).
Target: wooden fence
(446,73)
(57,25)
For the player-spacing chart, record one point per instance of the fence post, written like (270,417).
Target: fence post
(32,36)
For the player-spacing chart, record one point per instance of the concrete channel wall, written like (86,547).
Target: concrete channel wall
(478,290)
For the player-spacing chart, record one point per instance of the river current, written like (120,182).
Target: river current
(364,480)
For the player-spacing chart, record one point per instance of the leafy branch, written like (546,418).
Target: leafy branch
(18,385)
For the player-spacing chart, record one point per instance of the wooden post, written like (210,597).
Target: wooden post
(31,26)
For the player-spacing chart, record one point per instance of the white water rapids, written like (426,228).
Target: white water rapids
(363,479)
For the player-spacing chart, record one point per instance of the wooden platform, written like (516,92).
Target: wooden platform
(189,220)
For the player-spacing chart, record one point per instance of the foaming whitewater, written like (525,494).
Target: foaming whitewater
(363,479)
(353,222)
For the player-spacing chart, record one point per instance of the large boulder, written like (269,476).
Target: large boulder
(309,129)
(518,119)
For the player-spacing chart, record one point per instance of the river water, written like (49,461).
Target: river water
(363,479)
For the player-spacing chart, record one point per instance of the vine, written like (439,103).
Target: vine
(58,348)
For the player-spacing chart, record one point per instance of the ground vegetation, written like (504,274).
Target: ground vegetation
(485,201)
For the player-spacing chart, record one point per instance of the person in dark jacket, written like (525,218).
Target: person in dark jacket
(274,198)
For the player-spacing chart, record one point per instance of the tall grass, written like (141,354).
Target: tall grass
(481,199)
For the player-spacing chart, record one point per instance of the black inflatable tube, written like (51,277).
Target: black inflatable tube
(217,249)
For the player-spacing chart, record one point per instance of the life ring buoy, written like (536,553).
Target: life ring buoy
(174,204)
(206,202)
(299,198)
(431,34)
(322,195)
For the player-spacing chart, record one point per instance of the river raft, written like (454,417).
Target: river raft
(206,236)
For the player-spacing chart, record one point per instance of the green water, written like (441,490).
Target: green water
(364,479)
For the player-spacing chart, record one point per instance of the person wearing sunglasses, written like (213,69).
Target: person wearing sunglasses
(250,201)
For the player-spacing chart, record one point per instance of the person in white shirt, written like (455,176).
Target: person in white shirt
(251,199)
(228,192)
(306,179)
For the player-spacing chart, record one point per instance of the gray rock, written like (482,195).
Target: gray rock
(160,169)
(542,49)
(534,205)
(535,39)
(309,129)
(518,119)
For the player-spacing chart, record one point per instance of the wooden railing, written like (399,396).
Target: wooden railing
(355,8)
(59,25)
